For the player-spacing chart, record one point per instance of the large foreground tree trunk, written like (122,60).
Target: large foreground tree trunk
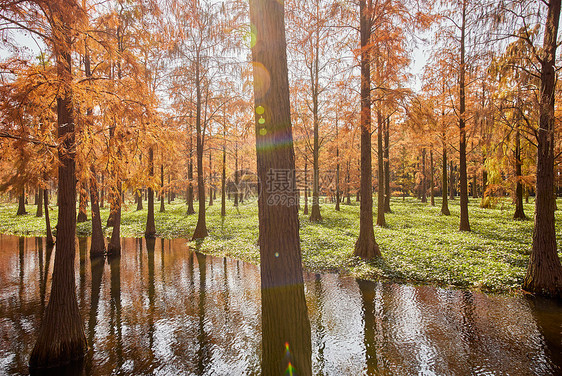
(280,252)
(544,272)
(61,337)
(366,247)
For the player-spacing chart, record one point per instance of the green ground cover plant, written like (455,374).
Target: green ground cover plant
(419,245)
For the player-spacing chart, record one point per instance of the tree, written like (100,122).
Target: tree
(366,247)
(544,272)
(61,337)
(279,241)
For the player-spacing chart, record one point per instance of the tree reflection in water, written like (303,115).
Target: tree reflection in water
(286,347)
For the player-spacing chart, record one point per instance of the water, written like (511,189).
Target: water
(171,311)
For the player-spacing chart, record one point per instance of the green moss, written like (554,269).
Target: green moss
(419,245)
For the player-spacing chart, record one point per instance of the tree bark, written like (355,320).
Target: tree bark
(61,337)
(366,247)
(544,272)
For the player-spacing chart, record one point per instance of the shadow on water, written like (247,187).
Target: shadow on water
(161,308)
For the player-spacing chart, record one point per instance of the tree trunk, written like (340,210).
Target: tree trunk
(49,238)
(337,170)
(279,242)
(39,212)
(102,190)
(315,215)
(162,208)
(366,247)
(210,179)
(82,215)
(444,190)
(451,181)
(387,193)
(61,337)
(464,223)
(236,176)
(432,181)
(305,211)
(190,208)
(484,184)
(544,272)
(21,203)
(423,182)
(381,221)
(114,246)
(223,177)
(97,246)
(201,227)
(348,187)
(150,231)
(519,212)
(138,199)
(170,192)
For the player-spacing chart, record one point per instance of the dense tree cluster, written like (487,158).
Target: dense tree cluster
(105,102)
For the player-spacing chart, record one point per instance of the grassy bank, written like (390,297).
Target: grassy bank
(419,244)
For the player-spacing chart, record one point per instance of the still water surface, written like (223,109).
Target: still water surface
(171,311)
